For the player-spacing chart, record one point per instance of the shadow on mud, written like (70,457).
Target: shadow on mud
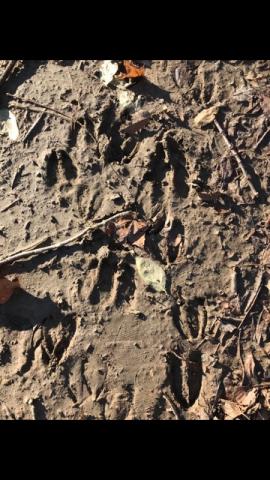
(23,311)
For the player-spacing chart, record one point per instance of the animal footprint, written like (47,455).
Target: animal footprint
(56,342)
(58,164)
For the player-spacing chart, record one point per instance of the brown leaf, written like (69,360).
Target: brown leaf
(249,365)
(265,104)
(137,233)
(265,257)
(134,127)
(206,116)
(246,398)
(122,229)
(266,398)
(231,409)
(7,288)
(131,70)
(128,230)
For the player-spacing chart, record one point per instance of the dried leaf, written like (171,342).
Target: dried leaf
(151,273)
(231,409)
(122,228)
(249,365)
(136,235)
(131,70)
(265,257)
(265,104)
(206,116)
(7,288)
(246,399)
(134,127)
(128,230)
(266,398)
(108,70)
(10,123)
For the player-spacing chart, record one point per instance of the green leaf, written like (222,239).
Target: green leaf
(151,273)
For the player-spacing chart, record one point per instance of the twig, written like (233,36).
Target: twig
(234,281)
(8,70)
(17,176)
(262,138)
(37,251)
(253,297)
(240,358)
(256,334)
(175,354)
(50,109)
(33,126)
(170,402)
(35,244)
(10,205)
(239,161)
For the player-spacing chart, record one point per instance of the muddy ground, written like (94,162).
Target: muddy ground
(84,337)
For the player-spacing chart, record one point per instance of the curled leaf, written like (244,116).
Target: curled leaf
(206,116)
(108,70)
(151,273)
(10,123)
(131,70)
(7,288)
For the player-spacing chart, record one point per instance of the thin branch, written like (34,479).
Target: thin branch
(262,138)
(238,159)
(36,122)
(170,402)
(49,110)
(55,246)
(253,297)
(10,66)
(4,209)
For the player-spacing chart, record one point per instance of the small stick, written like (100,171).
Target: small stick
(50,109)
(253,297)
(17,176)
(8,70)
(234,281)
(256,334)
(33,126)
(37,251)
(262,138)
(175,354)
(240,357)
(41,109)
(35,244)
(170,402)
(10,205)
(239,161)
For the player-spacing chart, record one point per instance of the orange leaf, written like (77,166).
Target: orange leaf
(131,70)
(128,230)
(7,288)
(137,233)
